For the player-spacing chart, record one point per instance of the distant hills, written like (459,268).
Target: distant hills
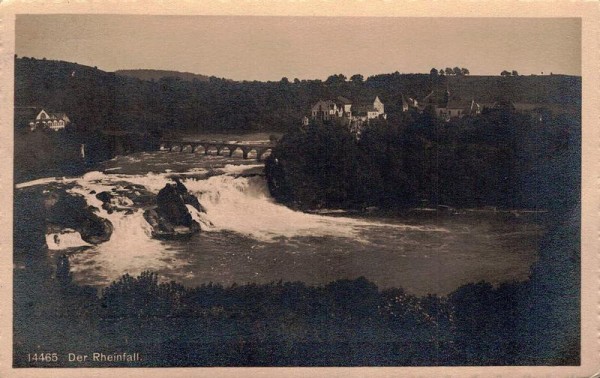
(156,75)
(131,100)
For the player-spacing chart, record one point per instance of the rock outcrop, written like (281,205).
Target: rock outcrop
(170,219)
(124,197)
(67,211)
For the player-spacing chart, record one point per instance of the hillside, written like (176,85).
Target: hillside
(156,75)
(97,100)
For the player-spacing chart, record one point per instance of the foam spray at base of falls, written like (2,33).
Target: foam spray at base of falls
(130,249)
(244,205)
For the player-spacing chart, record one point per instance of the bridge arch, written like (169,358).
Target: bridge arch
(225,150)
(236,150)
(211,149)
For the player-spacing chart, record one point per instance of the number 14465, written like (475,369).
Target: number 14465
(42,357)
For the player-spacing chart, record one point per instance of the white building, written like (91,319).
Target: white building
(53,121)
(342,108)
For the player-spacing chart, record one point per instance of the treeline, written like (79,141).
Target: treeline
(500,158)
(98,100)
(344,323)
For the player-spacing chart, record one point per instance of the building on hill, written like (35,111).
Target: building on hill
(346,106)
(435,99)
(368,112)
(325,110)
(341,107)
(40,119)
(409,103)
(445,107)
(379,108)
(458,109)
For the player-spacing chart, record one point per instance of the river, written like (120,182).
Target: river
(247,237)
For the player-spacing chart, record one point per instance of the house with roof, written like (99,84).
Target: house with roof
(342,107)
(346,105)
(325,110)
(445,107)
(45,120)
(408,103)
(367,112)
(458,109)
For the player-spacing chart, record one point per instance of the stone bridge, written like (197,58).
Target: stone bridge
(220,147)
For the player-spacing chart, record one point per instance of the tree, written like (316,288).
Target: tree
(449,71)
(357,79)
(441,72)
(284,80)
(335,79)
(465,71)
(433,73)
(457,71)
(515,73)
(505,73)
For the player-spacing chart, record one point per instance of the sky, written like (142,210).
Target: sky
(269,48)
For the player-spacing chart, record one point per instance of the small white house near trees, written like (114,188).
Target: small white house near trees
(52,121)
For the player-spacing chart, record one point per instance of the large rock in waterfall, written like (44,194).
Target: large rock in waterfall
(67,211)
(125,197)
(170,219)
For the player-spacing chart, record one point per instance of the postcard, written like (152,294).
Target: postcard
(284,189)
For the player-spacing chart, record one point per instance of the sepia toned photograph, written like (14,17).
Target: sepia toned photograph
(257,191)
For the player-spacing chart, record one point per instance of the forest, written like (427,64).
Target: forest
(501,158)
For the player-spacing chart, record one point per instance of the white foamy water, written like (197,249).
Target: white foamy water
(65,239)
(244,205)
